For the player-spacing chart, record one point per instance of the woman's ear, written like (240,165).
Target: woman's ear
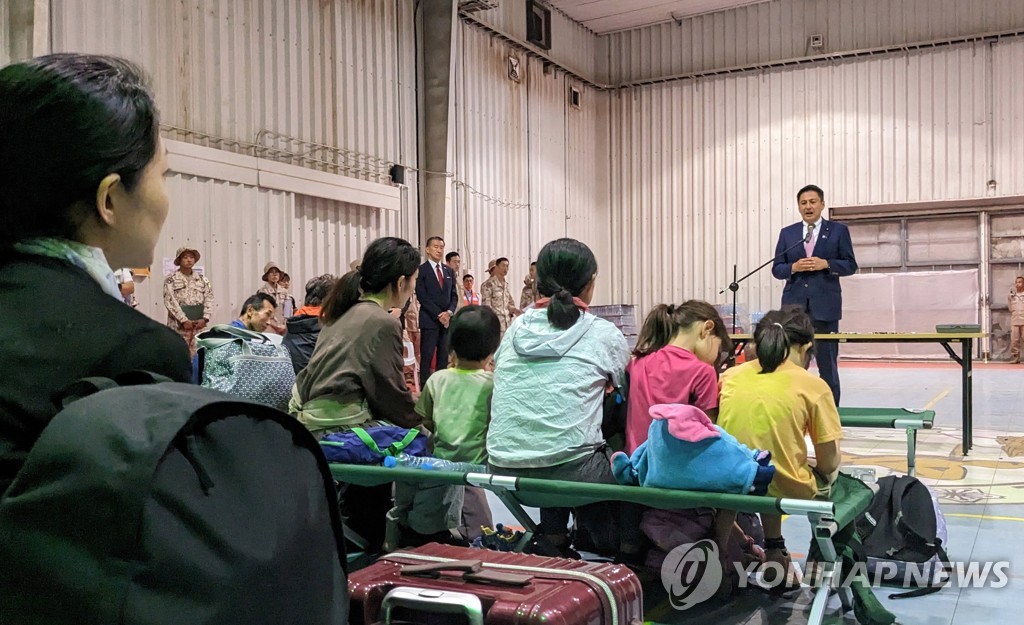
(806,351)
(401,284)
(588,292)
(109,195)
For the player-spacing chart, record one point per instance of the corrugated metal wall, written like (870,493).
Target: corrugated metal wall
(339,74)
(532,163)
(16,30)
(5,34)
(781,29)
(238,228)
(587,174)
(336,74)
(705,172)
(571,43)
(491,149)
(1008,131)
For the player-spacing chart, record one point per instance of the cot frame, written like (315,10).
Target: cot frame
(895,418)
(511,491)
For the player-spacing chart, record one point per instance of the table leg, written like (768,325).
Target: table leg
(968,391)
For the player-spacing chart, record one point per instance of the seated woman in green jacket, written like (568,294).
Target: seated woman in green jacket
(355,375)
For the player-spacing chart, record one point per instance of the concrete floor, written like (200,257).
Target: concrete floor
(981,495)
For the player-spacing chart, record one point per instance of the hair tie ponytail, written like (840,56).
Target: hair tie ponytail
(773,348)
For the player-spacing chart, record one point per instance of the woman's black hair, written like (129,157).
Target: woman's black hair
(66,122)
(777,332)
(386,260)
(665,321)
(564,269)
(475,332)
(317,288)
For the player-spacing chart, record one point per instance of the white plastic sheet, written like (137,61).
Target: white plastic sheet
(906,302)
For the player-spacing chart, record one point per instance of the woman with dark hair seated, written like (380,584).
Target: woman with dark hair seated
(81,191)
(774,403)
(355,375)
(552,370)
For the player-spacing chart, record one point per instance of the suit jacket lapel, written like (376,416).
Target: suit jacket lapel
(826,227)
(433,275)
(799,232)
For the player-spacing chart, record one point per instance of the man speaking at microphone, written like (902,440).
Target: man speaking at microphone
(812,271)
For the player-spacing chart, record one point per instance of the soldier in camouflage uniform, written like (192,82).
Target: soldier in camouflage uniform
(188,298)
(529,294)
(495,295)
(272,286)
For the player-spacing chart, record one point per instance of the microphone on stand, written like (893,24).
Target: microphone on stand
(735,285)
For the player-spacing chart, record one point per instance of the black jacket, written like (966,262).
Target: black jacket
(433,297)
(303,331)
(71,330)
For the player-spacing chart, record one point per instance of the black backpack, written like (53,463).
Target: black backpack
(904,527)
(169,503)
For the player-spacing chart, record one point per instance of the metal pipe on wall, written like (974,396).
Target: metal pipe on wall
(435,24)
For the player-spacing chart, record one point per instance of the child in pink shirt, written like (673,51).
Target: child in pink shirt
(674,363)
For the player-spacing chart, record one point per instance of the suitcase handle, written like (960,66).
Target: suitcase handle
(435,601)
(435,569)
(472,571)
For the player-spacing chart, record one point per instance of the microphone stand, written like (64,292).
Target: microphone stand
(735,284)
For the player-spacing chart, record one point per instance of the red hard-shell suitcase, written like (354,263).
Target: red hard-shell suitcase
(442,584)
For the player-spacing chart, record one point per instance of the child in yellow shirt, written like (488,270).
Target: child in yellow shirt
(773,403)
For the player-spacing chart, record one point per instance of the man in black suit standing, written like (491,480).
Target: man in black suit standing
(435,291)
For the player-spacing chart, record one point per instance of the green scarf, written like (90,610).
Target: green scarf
(83,256)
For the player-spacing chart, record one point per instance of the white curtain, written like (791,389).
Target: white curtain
(906,302)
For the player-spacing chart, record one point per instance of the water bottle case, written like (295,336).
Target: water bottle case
(430,463)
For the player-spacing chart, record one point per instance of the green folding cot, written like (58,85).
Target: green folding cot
(827,518)
(892,418)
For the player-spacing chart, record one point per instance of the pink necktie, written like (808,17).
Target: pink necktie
(809,244)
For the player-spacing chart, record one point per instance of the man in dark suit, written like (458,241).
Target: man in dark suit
(435,291)
(811,256)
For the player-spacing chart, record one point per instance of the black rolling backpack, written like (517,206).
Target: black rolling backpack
(164,503)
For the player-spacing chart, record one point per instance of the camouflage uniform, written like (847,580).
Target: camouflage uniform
(461,292)
(280,294)
(181,290)
(529,294)
(494,294)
